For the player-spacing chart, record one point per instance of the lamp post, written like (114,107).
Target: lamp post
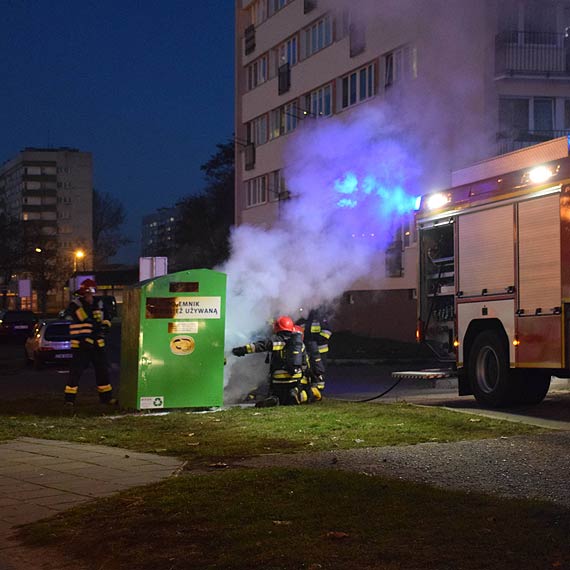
(77,255)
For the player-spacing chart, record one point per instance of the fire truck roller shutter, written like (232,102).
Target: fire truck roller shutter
(486,250)
(539,254)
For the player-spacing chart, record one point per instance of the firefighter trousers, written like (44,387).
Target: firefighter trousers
(81,358)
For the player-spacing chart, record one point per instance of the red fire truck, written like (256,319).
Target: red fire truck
(494,274)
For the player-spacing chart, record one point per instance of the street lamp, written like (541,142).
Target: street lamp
(77,255)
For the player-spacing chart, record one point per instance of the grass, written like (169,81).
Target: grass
(291,519)
(238,518)
(240,432)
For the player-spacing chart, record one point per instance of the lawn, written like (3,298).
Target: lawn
(240,432)
(292,519)
(237,517)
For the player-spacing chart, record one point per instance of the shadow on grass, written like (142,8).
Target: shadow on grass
(291,518)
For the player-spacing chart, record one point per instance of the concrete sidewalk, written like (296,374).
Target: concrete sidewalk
(39,478)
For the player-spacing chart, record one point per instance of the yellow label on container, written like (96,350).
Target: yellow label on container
(182,345)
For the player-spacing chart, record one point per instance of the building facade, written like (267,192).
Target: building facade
(465,80)
(158,232)
(51,191)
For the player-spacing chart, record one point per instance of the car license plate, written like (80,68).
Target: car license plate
(20,327)
(64,355)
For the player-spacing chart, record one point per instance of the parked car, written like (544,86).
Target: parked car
(16,325)
(49,343)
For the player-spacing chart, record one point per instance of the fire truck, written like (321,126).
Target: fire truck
(494,274)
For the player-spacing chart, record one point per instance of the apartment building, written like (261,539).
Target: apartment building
(464,80)
(158,237)
(51,191)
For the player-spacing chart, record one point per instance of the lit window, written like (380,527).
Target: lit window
(319,102)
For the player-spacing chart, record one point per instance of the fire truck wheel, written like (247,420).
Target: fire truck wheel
(531,386)
(488,370)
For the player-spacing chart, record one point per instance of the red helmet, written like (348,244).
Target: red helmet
(299,329)
(87,286)
(283,323)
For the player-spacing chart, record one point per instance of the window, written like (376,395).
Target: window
(276,5)
(257,131)
(399,65)
(257,73)
(358,86)
(319,102)
(256,191)
(567,114)
(513,115)
(520,115)
(357,38)
(276,125)
(318,36)
(287,52)
(540,17)
(543,114)
(258,12)
(284,120)
(291,111)
(277,190)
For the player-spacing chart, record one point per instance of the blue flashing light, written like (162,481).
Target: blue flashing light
(348,185)
(368,184)
(347,203)
(417,203)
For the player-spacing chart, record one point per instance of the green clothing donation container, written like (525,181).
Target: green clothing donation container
(172,353)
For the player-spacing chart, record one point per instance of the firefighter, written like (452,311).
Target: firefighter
(87,330)
(285,347)
(316,338)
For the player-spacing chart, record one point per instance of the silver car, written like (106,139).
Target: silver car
(49,343)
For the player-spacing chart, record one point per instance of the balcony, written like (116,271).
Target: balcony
(515,140)
(540,54)
(249,40)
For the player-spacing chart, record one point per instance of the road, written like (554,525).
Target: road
(356,381)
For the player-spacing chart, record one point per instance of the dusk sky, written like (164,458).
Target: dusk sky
(146,86)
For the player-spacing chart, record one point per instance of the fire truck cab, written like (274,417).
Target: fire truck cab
(494,274)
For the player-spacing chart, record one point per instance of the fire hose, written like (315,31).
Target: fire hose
(373,397)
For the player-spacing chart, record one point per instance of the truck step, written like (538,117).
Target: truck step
(429,374)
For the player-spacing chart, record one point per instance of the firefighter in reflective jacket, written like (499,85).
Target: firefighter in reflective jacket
(87,330)
(285,363)
(316,338)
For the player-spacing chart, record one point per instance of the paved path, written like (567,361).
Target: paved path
(39,478)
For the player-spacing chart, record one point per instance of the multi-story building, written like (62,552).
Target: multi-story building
(463,80)
(51,191)
(159,232)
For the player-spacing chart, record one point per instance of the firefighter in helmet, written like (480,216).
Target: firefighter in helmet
(285,347)
(87,330)
(316,335)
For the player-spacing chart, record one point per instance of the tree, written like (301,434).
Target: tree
(11,252)
(108,217)
(203,233)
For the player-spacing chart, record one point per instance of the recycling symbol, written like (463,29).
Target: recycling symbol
(158,402)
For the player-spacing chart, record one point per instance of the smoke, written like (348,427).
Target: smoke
(351,182)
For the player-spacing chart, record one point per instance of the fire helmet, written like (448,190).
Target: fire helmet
(283,323)
(87,286)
